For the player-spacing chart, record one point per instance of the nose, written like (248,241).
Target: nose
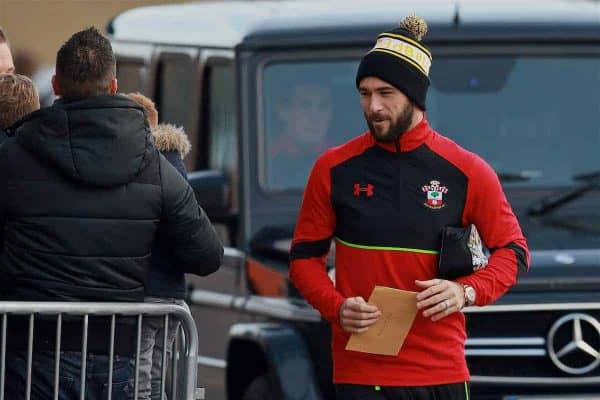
(375,105)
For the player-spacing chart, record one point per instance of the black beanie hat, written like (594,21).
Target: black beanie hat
(400,59)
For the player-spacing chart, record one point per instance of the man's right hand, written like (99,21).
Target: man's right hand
(356,316)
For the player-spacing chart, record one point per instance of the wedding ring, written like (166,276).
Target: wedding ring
(446,304)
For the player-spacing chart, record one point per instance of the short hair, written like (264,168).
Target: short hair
(85,65)
(148,104)
(18,97)
(3,38)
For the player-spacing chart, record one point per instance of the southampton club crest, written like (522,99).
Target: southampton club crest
(435,194)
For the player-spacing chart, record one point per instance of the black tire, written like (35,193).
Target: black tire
(260,389)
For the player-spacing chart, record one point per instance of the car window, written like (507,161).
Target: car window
(130,76)
(221,118)
(536,116)
(308,107)
(174,95)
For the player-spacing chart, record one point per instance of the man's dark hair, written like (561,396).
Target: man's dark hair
(3,38)
(85,65)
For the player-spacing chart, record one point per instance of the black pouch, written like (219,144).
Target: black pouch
(462,252)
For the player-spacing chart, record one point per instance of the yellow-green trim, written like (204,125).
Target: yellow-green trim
(406,249)
(419,45)
(402,56)
(467,391)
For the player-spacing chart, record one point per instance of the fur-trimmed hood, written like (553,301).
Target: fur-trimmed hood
(169,137)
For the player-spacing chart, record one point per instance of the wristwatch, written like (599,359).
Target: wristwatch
(469,295)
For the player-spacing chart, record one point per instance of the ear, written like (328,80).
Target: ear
(55,86)
(113,87)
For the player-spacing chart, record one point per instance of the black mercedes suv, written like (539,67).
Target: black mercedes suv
(516,82)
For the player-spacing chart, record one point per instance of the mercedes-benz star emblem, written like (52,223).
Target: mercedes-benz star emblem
(560,350)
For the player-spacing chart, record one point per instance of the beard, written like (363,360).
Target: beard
(397,127)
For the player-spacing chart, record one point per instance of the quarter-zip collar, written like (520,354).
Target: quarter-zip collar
(409,140)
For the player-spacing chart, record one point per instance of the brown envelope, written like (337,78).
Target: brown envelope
(386,336)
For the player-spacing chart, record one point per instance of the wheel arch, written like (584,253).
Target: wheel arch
(277,350)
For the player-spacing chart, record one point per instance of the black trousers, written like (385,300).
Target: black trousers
(453,391)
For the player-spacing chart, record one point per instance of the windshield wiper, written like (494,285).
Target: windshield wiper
(544,206)
(515,176)
(575,225)
(587,176)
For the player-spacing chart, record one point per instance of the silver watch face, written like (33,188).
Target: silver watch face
(469,295)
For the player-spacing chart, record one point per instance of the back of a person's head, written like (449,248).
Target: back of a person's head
(85,65)
(18,97)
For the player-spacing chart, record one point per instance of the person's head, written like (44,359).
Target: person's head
(393,79)
(306,112)
(148,105)
(6,61)
(85,66)
(388,112)
(18,97)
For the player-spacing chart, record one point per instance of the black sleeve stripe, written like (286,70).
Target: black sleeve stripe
(317,248)
(522,266)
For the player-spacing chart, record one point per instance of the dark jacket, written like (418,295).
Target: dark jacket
(84,195)
(165,277)
(84,192)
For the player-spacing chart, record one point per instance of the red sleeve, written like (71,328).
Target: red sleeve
(312,238)
(488,208)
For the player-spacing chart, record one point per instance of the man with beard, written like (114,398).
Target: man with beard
(385,197)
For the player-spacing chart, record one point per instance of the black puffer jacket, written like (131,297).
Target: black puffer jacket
(84,192)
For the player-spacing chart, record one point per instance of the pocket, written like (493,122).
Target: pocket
(122,370)
(42,386)
(119,391)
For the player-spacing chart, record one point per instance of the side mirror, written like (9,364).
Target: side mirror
(213,192)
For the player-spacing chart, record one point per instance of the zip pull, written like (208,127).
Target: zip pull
(397,144)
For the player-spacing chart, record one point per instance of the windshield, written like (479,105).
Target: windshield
(536,117)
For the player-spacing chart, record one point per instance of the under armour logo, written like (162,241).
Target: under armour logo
(368,190)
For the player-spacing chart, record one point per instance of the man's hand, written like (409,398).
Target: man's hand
(440,298)
(356,316)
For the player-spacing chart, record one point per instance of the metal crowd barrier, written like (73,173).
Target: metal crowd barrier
(185,348)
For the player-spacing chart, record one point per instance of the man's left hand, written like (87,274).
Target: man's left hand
(440,298)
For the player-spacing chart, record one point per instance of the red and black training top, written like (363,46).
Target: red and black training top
(386,210)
